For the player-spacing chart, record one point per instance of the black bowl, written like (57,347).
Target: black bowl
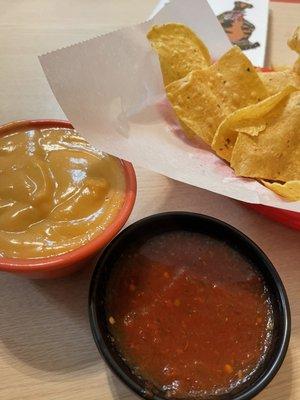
(159,223)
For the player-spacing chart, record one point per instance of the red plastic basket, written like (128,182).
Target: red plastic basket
(285,217)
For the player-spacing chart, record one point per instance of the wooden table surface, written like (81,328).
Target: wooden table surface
(46,347)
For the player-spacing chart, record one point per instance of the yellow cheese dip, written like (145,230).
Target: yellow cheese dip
(56,192)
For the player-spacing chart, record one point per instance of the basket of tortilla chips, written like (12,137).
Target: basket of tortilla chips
(249,118)
(210,119)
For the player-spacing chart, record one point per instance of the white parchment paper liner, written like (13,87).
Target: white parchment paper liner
(111,89)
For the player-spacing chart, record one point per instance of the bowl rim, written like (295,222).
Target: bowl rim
(284,316)
(53,263)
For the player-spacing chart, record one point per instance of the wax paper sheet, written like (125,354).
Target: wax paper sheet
(110,88)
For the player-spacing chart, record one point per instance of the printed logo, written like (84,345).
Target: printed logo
(237,27)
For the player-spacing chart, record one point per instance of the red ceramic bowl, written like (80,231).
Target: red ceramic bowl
(285,217)
(65,264)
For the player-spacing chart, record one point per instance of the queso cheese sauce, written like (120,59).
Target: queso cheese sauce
(189,314)
(57,192)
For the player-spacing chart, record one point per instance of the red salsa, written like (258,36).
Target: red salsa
(189,314)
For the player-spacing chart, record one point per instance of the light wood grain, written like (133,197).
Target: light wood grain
(283,19)
(46,348)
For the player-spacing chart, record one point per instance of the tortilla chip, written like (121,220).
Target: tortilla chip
(296,67)
(180,51)
(275,153)
(204,98)
(198,109)
(249,120)
(294,41)
(294,44)
(290,190)
(278,80)
(279,68)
